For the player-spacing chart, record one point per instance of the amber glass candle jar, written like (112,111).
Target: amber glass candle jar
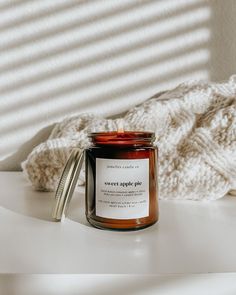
(121,180)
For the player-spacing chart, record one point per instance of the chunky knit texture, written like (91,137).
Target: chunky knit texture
(195,125)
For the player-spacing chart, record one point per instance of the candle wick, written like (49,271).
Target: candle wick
(120,126)
(120,130)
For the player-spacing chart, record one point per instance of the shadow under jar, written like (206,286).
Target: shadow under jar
(121,180)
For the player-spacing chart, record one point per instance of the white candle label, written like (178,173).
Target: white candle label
(122,188)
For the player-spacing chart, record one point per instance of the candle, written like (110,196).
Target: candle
(121,180)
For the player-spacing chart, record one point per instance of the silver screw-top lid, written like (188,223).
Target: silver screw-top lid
(67,183)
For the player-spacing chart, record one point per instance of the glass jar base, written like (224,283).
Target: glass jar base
(116,227)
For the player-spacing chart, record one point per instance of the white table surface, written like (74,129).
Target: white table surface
(190,238)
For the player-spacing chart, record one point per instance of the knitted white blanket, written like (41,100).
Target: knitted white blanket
(195,125)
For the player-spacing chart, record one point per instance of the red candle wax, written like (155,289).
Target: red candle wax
(121,180)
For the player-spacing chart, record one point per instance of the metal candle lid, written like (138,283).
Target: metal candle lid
(67,183)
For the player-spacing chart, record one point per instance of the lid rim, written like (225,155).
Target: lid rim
(67,183)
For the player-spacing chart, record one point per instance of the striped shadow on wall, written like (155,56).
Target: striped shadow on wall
(64,57)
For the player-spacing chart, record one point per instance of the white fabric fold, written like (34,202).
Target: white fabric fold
(195,127)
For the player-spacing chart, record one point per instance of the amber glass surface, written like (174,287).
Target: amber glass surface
(126,145)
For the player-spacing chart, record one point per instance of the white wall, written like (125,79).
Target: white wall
(59,58)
